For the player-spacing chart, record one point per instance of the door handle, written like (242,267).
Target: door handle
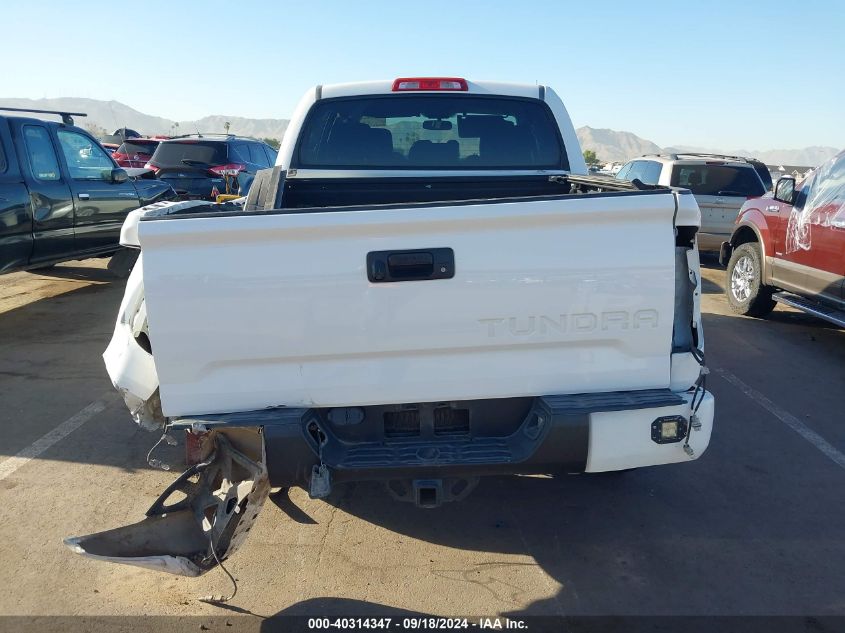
(414,265)
(84,196)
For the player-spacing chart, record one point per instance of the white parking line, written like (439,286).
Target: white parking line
(40,445)
(787,418)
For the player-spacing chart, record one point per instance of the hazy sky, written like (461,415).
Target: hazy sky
(730,74)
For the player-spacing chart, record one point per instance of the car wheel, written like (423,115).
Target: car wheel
(744,283)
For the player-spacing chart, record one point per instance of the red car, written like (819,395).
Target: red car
(135,152)
(789,247)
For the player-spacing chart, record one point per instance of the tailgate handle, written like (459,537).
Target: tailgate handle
(414,265)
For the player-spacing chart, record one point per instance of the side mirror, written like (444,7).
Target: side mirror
(785,190)
(119,175)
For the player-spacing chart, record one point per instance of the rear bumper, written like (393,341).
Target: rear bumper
(570,433)
(223,494)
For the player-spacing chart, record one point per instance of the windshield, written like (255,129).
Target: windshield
(431,132)
(718,180)
(172,153)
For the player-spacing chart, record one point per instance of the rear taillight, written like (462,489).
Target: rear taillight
(155,168)
(230,169)
(119,156)
(429,83)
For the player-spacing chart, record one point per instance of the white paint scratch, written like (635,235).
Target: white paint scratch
(40,445)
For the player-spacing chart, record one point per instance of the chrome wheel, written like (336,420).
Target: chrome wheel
(742,277)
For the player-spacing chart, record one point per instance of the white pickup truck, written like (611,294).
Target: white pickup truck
(427,288)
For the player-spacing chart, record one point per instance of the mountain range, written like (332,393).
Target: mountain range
(612,145)
(111,115)
(609,145)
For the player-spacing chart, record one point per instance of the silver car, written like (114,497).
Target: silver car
(721,184)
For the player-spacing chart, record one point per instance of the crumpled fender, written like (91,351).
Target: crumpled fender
(224,494)
(128,362)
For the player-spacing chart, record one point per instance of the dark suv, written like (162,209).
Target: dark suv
(203,166)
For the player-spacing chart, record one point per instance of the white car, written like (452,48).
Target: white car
(721,184)
(427,288)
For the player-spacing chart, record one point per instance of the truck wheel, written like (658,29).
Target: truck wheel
(744,283)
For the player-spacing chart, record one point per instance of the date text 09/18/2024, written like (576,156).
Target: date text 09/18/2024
(416,623)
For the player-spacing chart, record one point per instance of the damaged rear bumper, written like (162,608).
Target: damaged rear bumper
(223,495)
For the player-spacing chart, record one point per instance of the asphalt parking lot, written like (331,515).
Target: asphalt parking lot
(754,527)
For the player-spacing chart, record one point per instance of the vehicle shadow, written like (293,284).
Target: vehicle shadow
(78,273)
(41,293)
(622,543)
(84,307)
(710,287)
(710,260)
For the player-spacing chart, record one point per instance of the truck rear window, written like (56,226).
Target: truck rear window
(130,148)
(171,154)
(431,132)
(718,180)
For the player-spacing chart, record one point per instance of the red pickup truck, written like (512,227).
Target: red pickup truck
(789,247)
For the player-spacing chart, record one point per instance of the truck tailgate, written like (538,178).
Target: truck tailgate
(561,295)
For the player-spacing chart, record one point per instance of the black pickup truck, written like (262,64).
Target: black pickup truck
(62,196)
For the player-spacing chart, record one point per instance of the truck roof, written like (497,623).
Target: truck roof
(28,120)
(385,86)
(698,157)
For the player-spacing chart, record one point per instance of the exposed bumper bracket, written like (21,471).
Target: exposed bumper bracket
(223,496)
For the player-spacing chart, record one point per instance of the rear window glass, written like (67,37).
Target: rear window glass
(42,156)
(202,152)
(137,148)
(239,151)
(431,132)
(718,180)
(647,171)
(764,173)
(257,155)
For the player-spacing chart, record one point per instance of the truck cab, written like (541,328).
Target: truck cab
(62,196)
